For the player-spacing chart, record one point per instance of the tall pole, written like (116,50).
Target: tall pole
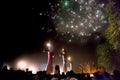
(49,68)
(70,63)
(70,66)
(64,60)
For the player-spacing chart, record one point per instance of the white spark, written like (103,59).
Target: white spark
(81,24)
(70,40)
(72,26)
(97,15)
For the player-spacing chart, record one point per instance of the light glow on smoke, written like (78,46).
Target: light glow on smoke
(33,69)
(21,64)
(24,64)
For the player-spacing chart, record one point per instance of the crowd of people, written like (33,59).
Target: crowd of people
(101,74)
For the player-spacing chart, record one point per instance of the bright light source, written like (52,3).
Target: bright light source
(8,67)
(69,58)
(91,75)
(33,69)
(62,49)
(22,64)
(61,69)
(6,64)
(48,45)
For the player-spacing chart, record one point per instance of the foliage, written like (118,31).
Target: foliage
(102,55)
(112,31)
(111,35)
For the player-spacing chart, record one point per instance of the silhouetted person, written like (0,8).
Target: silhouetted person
(1,64)
(5,73)
(27,70)
(5,68)
(116,75)
(63,75)
(57,70)
(101,74)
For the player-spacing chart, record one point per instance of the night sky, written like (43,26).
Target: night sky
(26,28)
